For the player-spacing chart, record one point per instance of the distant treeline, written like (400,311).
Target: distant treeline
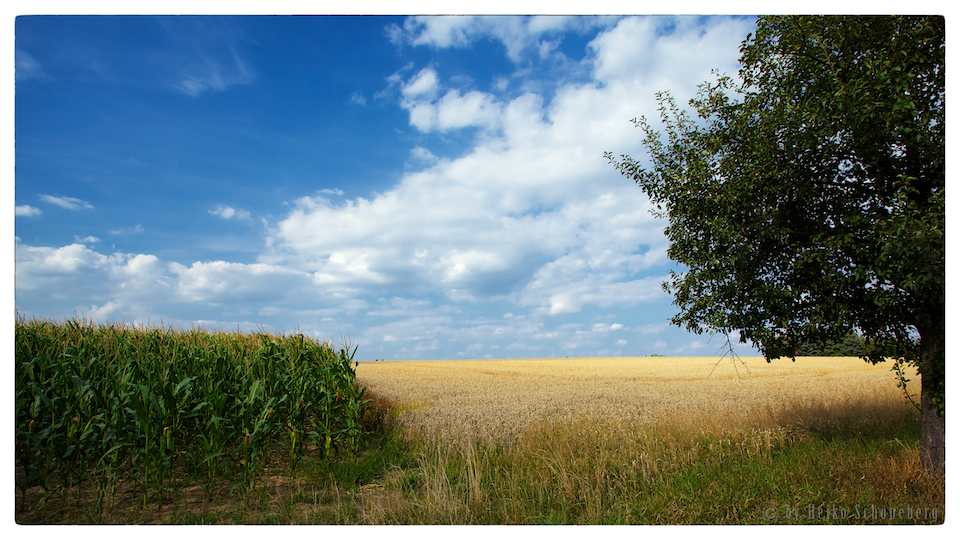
(851,345)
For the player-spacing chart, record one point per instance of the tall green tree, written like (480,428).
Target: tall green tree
(807,199)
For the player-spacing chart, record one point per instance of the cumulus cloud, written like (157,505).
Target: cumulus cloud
(77,275)
(532,213)
(457,108)
(441,31)
(421,154)
(26,210)
(418,96)
(104,312)
(142,286)
(221,282)
(645,50)
(569,297)
(530,219)
(402,307)
(69,203)
(478,109)
(516,34)
(423,84)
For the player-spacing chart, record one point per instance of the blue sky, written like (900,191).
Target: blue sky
(427,187)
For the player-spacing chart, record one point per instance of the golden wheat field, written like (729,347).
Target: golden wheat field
(498,399)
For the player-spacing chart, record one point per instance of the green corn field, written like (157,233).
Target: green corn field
(100,405)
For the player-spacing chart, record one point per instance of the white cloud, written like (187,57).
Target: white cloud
(546,47)
(660,51)
(654,328)
(431,346)
(516,34)
(87,240)
(67,258)
(430,329)
(77,276)
(530,220)
(591,289)
(533,213)
(143,286)
(547,23)
(418,95)
(26,210)
(228,212)
(129,230)
(103,312)
(225,282)
(27,67)
(69,203)
(213,76)
(473,109)
(420,153)
(423,116)
(402,307)
(358,98)
(209,65)
(440,31)
(423,84)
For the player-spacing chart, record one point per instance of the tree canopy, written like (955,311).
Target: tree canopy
(806,199)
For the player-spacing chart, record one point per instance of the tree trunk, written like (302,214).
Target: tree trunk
(933,385)
(932,434)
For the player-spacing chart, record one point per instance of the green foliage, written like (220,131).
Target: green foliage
(811,202)
(112,403)
(851,345)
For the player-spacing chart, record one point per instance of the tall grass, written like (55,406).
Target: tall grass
(804,466)
(105,404)
(652,441)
